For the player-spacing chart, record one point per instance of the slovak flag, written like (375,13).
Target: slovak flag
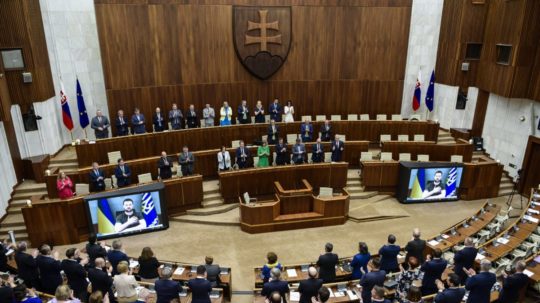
(66,113)
(417,93)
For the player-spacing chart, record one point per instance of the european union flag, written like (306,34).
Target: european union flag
(451,181)
(106,219)
(149,210)
(83,116)
(430,92)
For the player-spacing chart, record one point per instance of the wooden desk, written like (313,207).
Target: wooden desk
(341,297)
(436,152)
(151,144)
(34,167)
(381,176)
(341,274)
(534,267)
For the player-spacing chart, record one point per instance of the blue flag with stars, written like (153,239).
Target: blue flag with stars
(430,92)
(83,116)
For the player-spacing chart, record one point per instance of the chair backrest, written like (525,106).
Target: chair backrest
(304,118)
(283,117)
(386,138)
(328,157)
(352,117)
(456,158)
(201,121)
(364,117)
(291,138)
(235,143)
(114,156)
(264,137)
(326,192)
(366,156)
(419,137)
(422,158)
(145,178)
(404,157)
(108,183)
(386,156)
(267,118)
(274,156)
(397,118)
(381,117)
(342,137)
(170,125)
(82,188)
(114,180)
(320,117)
(335,117)
(252,119)
(178,170)
(403,138)
(415,117)
(255,161)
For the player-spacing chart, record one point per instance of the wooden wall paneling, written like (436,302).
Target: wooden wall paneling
(480,113)
(529,42)
(530,176)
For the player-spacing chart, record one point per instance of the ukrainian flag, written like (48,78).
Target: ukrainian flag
(418,184)
(106,219)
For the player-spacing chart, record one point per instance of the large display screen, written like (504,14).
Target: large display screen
(127,211)
(423,182)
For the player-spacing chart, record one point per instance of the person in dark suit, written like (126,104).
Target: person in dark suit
(281,152)
(73,268)
(137,123)
(166,288)
(148,265)
(433,269)
(377,295)
(326,131)
(242,155)
(309,288)
(323,295)
(273,132)
(186,161)
(27,266)
(99,277)
(275,284)
(192,121)
(306,131)
(479,285)
(327,264)
(49,269)
(415,247)
(122,173)
(97,178)
(121,124)
(374,277)
(464,259)
(452,294)
(200,287)
(100,124)
(337,149)
(389,253)
(175,117)
(275,111)
(513,284)
(299,152)
(165,165)
(94,250)
(212,271)
(317,153)
(159,121)
(115,255)
(243,113)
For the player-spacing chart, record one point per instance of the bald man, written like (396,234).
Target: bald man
(415,247)
(309,288)
(165,165)
(100,124)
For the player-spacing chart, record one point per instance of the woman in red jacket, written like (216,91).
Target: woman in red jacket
(64,186)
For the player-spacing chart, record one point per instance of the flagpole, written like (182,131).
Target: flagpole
(71,134)
(85,134)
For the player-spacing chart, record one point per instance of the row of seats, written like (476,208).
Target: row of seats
(387,156)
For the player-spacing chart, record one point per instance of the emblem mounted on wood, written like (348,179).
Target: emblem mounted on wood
(262,38)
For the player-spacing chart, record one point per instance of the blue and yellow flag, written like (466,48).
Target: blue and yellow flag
(418,184)
(106,219)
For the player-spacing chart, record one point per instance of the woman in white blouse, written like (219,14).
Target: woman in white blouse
(288,110)
(125,284)
(224,159)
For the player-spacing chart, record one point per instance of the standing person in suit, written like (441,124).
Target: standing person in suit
(479,285)
(374,277)
(259,112)
(212,271)
(263,152)
(415,247)
(337,149)
(73,268)
(306,131)
(165,165)
(433,269)
(242,155)
(176,117)
(148,266)
(115,255)
(513,284)
(273,132)
(224,159)
(317,155)
(272,262)
(299,152)
(208,115)
(327,264)
(452,294)
(309,287)
(281,153)
(360,261)
(121,124)
(97,178)
(243,113)
(159,121)
(326,131)
(49,269)
(389,253)
(288,111)
(192,121)
(186,161)
(464,259)
(95,250)
(275,285)
(99,277)
(27,266)
(225,114)
(122,173)
(100,124)
(200,287)
(64,185)
(275,110)
(166,288)
(137,122)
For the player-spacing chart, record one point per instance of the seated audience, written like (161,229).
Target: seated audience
(165,165)
(64,185)
(275,284)
(281,153)
(309,287)
(192,121)
(115,255)
(225,114)
(186,159)
(513,284)
(360,261)
(416,246)
(374,277)
(176,117)
(452,294)
(148,266)
(407,276)
(377,295)
(433,270)
(263,152)
(100,124)
(49,269)
(317,155)
(97,178)
(306,131)
(212,271)
(259,112)
(166,288)
(243,113)
(272,261)
(122,173)
(75,273)
(63,294)
(479,284)
(389,253)
(326,131)
(242,155)
(224,159)
(137,123)
(464,259)
(124,284)
(208,115)
(121,124)
(159,121)
(299,152)
(327,264)
(99,277)
(200,287)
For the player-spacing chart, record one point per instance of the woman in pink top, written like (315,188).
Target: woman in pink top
(64,186)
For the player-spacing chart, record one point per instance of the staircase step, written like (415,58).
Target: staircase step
(364,195)
(13,220)
(212,210)
(210,191)
(212,203)
(211,196)
(355,190)
(16,229)
(25,196)
(353,182)
(211,185)
(506,186)
(15,209)
(63,161)
(17,202)
(30,187)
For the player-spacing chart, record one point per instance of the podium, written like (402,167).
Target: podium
(293,208)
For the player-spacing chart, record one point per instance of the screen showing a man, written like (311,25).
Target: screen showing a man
(435,189)
(129,219)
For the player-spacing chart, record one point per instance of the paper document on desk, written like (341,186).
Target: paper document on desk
(338,294)
(351,295)
(433,242)
(178,271)
(536,203)
(533,211)
(503,240)
(445,236)
(294,296)
(291,273)
(480,257)
(528,273)
(331,292)
(530,219)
